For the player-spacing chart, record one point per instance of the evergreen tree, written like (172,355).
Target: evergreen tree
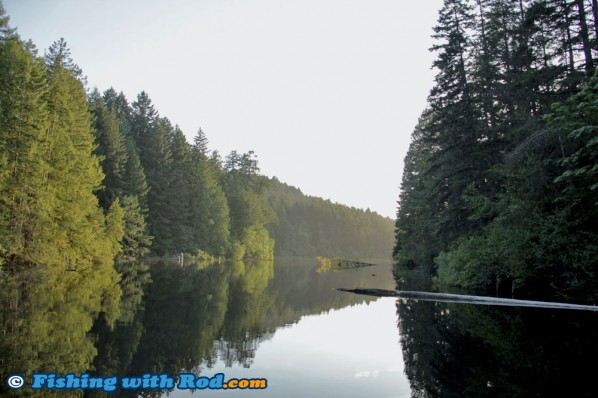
(50,215)
(117,103)
(200,143)
(74,230)
(23,167)
(249,210)
(136,241)
(454,129)
(487,190)
(125,179)
(150,133)
(135,182)
(179,194)
(209,217)
(110,149)
(416,234)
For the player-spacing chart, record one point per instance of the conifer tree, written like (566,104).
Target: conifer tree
(454,128)
(125,179)
(118,103)
(23,167)
(150,133)
(74,230)
(110,149)
(136,240)
(249,210)
(416,234)
(134,181)
(179,194)
(50,215)
(209,208)
(487,192)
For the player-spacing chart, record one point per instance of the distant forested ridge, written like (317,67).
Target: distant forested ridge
(500,184)
(87,176)
(311,226)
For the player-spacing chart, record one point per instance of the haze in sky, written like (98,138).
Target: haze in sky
(326,92)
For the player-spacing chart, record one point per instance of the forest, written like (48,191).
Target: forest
(311,226)
(87,177)
(500,184)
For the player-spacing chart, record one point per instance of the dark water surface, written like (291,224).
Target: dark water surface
(285,322)
(464,350)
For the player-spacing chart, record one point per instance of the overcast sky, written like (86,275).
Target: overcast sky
(326,92)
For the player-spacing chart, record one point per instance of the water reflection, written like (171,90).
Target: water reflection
(242,319)
(463,350)
(194,315)
(45,318)
(164,318)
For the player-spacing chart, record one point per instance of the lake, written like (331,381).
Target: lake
(285,322)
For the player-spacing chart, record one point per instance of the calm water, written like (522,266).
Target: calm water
(285,322)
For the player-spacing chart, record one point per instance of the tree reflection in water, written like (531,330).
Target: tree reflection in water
(463,350)
(164,318)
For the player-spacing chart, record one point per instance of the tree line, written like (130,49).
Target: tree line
(87,176)
(500,180)
(311,226)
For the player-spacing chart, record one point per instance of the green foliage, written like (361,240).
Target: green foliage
(575,122)
(249,210)
(542,231)
(179,193)
(57,245)
(115,226)
(499,184)
(209,214)
(111,149)
(125,179)
(134,181)
(257,243)
(416,234)
(50,215)
(136,242)
(310,226)
(150,134)
(237,250)
(86,178)
(23,125)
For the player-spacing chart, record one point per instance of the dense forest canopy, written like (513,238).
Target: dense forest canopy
(87,176)
(501,179)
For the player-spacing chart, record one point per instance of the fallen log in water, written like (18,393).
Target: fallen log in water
(467,299)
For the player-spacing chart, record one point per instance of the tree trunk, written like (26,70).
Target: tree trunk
(585,38)
(569,43)
(595,14)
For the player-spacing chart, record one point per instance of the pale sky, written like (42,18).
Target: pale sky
(326,92)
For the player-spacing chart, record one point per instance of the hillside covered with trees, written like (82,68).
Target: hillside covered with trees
(311,226)
(501,179)
(89,176)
